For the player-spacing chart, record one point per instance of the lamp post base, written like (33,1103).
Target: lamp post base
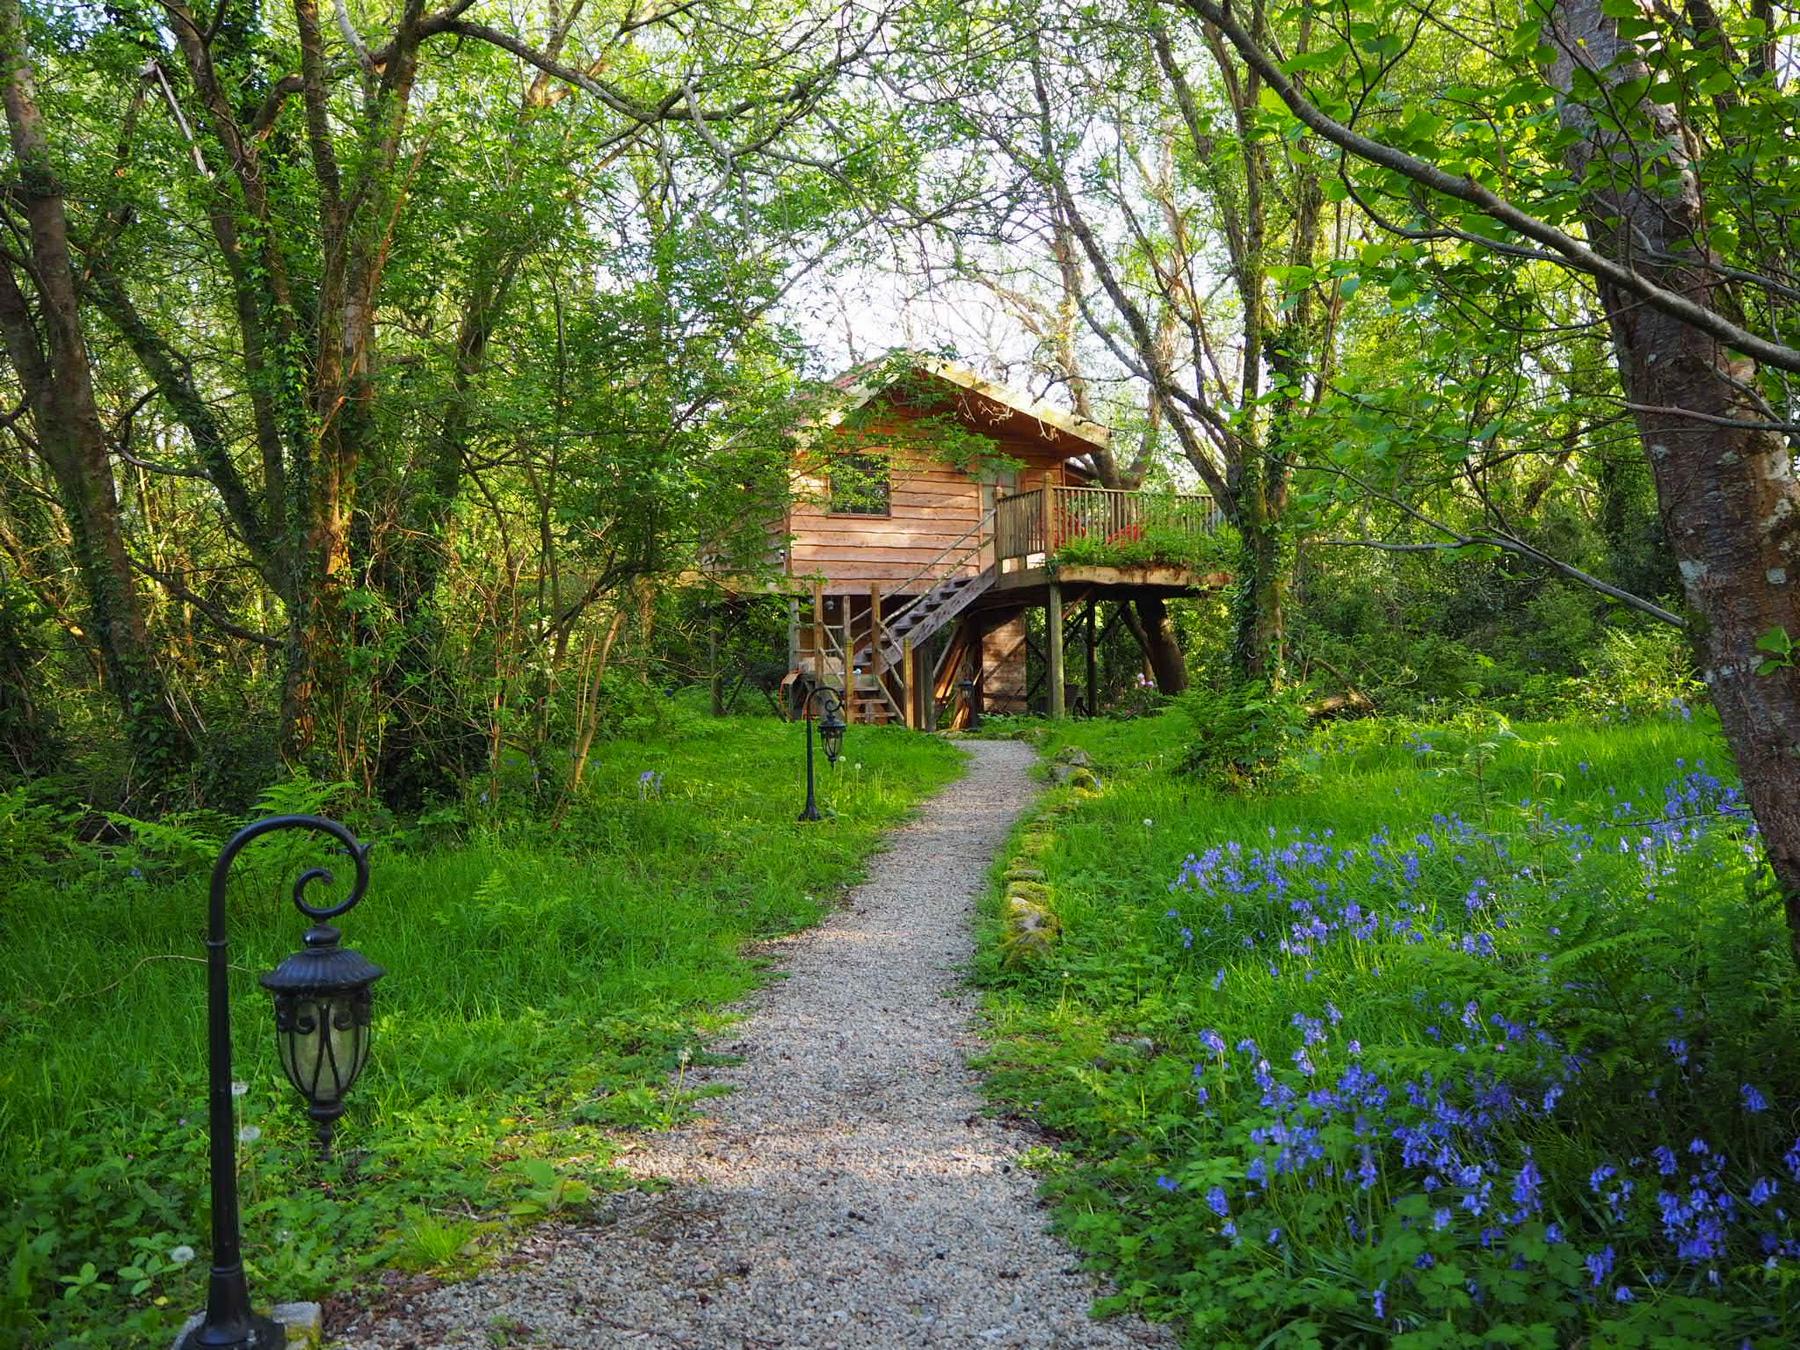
(252,1333)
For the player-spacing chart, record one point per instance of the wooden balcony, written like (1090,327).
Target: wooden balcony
(1031,526)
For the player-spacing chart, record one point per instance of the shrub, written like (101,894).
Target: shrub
(1243,735)
(1151,546)
(1641,672)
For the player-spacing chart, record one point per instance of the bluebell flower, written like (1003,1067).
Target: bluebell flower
(1753,1100)
(1217,1202)
(1379,1299)
(1623,1294)
(1440,1220)
(1168,1183)
(1599,1265)
(1526,1184)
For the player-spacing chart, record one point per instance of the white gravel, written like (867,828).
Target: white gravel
(848,1192)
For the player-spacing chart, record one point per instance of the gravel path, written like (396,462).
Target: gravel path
(848,1191)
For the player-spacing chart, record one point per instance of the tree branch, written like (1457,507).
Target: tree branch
(1571,252)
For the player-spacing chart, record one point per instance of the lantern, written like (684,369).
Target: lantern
(831,731)
(323,999)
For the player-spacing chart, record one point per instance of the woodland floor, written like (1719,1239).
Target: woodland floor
(845,1188)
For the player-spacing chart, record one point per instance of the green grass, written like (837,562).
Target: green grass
(1600,956)
(542,988)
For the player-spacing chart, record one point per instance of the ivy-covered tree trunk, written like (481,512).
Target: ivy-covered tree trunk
(355,220)
(1727,494)
(1265,565)
(50,356)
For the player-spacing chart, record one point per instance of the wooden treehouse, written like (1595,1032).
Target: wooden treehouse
(912,575)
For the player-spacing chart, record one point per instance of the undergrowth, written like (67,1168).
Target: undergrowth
(543,987)
(1473,1035)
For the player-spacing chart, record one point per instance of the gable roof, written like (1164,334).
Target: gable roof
(863,382)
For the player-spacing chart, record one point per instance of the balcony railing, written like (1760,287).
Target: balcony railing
(1037,523)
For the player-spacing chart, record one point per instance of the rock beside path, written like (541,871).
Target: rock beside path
(848,1192)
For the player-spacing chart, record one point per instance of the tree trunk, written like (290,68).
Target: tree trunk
(49,353)
(1162,647)
(1265,562)
(1727,496)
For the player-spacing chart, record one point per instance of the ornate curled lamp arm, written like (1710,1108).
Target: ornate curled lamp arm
(269,825)
(834,701)
(229,1321)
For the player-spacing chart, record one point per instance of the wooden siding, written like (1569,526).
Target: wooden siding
(1003,668)
(933,506)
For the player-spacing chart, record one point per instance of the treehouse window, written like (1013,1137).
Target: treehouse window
(860,486)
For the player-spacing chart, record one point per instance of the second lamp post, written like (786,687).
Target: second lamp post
(831,737)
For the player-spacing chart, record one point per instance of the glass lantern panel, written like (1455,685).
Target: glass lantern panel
(324,1050)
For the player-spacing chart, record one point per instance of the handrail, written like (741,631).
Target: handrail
(1038,524)
(978,528)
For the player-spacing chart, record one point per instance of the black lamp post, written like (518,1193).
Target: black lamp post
(322,1002)
(969,688)
(831,737)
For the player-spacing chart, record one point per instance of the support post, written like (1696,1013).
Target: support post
(875,665)
(849,662)
(1047,502)
(1053,633)
(818,633)
(909,679)
(928,706)
(1093,660)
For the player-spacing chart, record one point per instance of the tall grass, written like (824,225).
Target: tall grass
(542,985)
(1468,1035)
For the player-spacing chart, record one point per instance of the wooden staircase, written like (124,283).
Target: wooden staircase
(922,618)
(885,656)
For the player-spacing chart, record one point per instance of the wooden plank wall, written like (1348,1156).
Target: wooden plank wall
(931,506)
(1003,668)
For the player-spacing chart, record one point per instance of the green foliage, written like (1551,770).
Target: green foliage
(1780,649)
(1153,546)
(546,988)
(1244,735)
(36,837)
(1643,673)
(1552,947)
